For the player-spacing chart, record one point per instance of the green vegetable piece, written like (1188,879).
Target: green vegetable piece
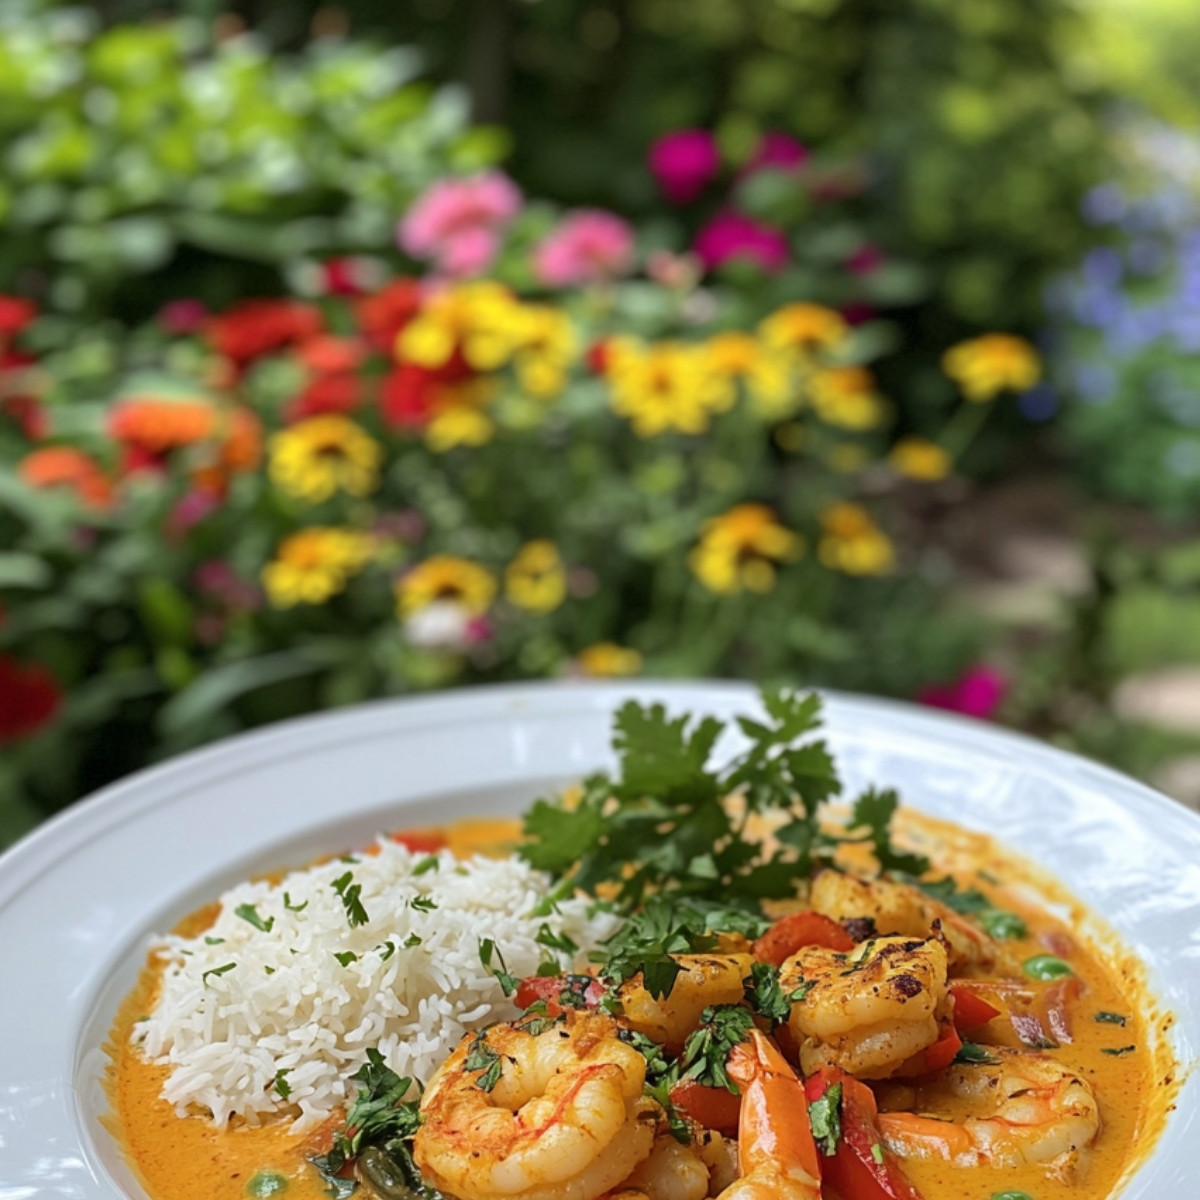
(972,1052)
(1118,1051)
(1012,1195)
(1045,967)
(1111,1018)
(355,913)
(249,913)
(1002,925)
(706,1051)
(266,1183)
(386,1178)
(825,1116)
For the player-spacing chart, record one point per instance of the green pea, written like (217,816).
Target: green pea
(1012,1196)
(266,1183)
(1002,925)
(1046,966)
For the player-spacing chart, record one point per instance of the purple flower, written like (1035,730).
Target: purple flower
(684,163)
(1104,205)
(731,235)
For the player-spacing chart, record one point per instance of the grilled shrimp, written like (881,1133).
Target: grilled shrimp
(1032,1108)
(672,1172)
(565,1118)
(870,1010)
(900,908)
(705,980)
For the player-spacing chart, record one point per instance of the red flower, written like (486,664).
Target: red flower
(27,414)
(383,315)
(597,357)
(341,393)
(257,327)
(409,397)
(15,314)
(29,698)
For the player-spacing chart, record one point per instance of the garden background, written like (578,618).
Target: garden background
(348,353)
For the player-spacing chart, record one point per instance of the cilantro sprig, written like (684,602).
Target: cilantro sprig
(661,825)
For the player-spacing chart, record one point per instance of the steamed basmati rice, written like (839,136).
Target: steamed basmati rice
(289,1016)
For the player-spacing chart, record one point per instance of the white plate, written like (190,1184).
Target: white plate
(80,896)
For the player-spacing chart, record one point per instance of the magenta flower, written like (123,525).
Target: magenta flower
(589,246)
(730,235)
(865,260)
(778,151)
(458,223)
(978,693)
(684,163)
(180,317)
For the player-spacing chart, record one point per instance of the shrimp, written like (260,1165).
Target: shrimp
(705,980)
(900,908)
(565,1118)
(672,1172)
(870,1010)
(1036,1111)
(777,1156)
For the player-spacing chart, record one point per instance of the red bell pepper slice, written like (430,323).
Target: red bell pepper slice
(420,841)
(581,991)
(933,1058)
(794,932)
(861,1168)
(971,1012)
(713,1107)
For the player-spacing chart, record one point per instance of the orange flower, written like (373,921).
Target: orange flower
(66,467)
(160,426)
(240,449)
(996,362)
(329,355)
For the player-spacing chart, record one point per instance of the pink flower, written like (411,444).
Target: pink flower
(181,317)
(978,693)
(731,235)
(458,223)
(778,151)
(189,510)
(684,163)
(588,247)
(866,259)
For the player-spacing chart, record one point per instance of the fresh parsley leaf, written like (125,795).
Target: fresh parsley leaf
(336,1187)
(386,950)
(411,941)
(706,1051)
(287,903)
(678,1127)
(765,995)
(507,981)
(972,1052)
(825,1117)
(249,913)
(481,1057)
(423,903)
(556,941)
(346,957)
(216,971)
(350,892)
(212,941)
(426,865)
(873,810)
(281,1084)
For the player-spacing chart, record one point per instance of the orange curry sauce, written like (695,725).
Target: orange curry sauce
(189,1159)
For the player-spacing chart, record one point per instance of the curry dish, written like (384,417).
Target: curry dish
(915,1012)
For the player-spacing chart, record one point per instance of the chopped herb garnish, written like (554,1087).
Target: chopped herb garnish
(826,1119)
(977,1055)
(873,811)
(249,913)
(1116,1053)
(265,1184)
(268,970)
(481,1057)
(212,941)
(766,996)
(281,1084)
(422,903)
(1046,967)
(556,941)
(346,957)
(287,903)
(427,864)
(1112,1018)
(507,981)
(386,950)
(216,971)
(877,1152)
(411,941)
(350,893)
(706,1051)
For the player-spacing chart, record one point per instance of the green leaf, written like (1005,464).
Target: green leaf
(826,1120)
(23,571)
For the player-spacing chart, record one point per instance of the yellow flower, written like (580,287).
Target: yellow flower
(313,459)
(804,329)
(847,397)
(919,458)
(741,550)
(448,580)
(853,543)
(986,366)
(314,564)
(607,659)
(548,346)
(665,386)
(739,356)
(535,579)
(458,425)
(483,320)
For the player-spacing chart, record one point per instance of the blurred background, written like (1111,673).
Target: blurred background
(348,353)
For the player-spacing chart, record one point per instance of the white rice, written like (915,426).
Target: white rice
(288,1005)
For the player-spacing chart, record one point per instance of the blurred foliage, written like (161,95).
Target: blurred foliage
(1125,331)
(150,155)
